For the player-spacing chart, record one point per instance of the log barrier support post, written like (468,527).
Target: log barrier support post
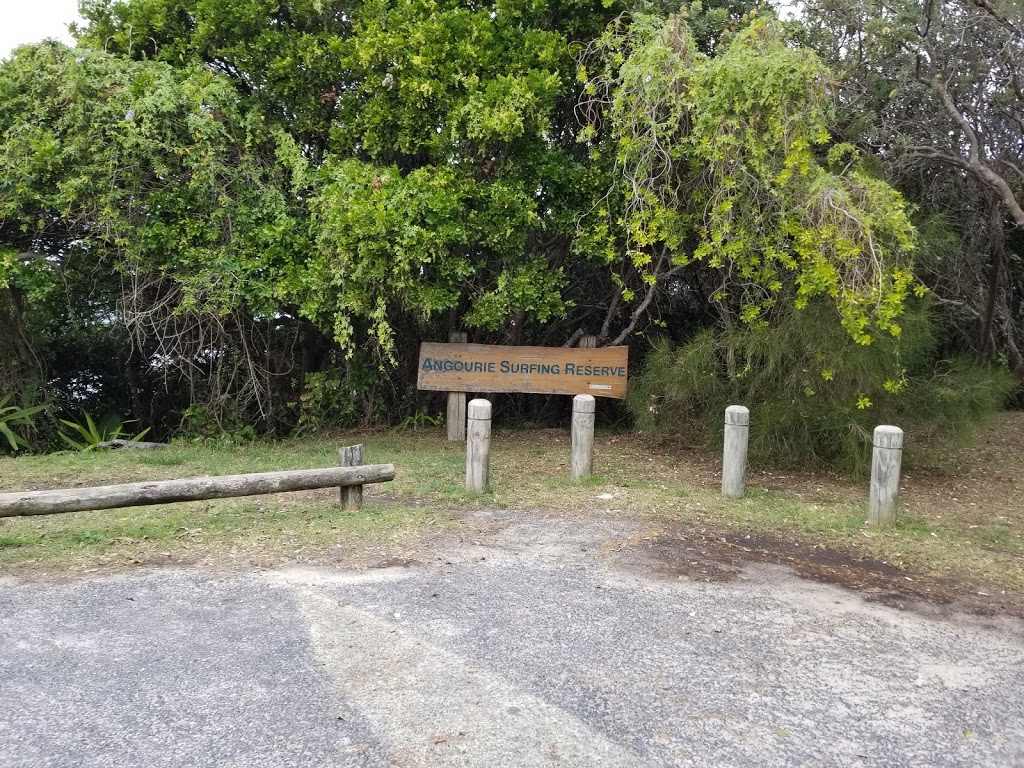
(456,417)
(351,495)
(583,413)
(886,458)
(478,445)
(734,454)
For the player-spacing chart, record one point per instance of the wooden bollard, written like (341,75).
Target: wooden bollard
(478,445)
(734,455)
(886,458)
(351,495)
(583,407)
(456,417)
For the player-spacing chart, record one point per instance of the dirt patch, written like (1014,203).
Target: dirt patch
(975,486)
(713,555)
(397,562)
(966,485)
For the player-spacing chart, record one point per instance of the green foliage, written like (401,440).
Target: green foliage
(721,163)
(14,421)
(26,293)
(342,397)
(154,195)
(93,433)
(288,59)
(388,240)
(815,395)
(190,199)
(429,144)
(455,183)
(420,420)
(935,88)
(203,426)
(249,213)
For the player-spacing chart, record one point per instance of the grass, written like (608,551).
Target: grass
(638,478)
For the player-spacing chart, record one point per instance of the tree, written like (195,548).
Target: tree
(269,205)
(148,188)
(718,163)
(934,90)
(288,59)
(726,167)
(471,106)
(454,179)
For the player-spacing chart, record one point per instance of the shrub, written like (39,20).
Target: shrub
(14,422)
(91,434)
(815,395)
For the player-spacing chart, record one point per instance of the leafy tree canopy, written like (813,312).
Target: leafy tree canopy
(150,179)
(269,204)
(934,90)
(461,181)
(722,160)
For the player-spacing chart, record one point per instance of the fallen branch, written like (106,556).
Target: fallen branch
(140,445)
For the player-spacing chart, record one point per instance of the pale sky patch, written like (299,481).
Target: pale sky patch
(29,21)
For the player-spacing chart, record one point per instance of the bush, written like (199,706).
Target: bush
(815,395)
(15,422)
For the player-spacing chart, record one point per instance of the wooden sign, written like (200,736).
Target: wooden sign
(544,370)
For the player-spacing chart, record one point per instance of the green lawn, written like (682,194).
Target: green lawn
(638,478)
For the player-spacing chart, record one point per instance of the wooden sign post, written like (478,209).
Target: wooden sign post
(599,372)
(456,418)
(458,368)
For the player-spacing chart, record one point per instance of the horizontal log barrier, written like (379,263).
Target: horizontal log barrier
(188,489)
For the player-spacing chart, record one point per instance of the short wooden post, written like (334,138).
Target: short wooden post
(886,457)
(478,445)
(351,495)
(734,455)
(583,407)
(456,419)
(588,342)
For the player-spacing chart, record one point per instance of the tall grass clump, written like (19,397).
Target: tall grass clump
(814,394)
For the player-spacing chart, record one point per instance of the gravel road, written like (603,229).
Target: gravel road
(531,644)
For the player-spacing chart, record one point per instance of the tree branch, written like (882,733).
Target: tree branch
(959,119)
(634,318)
(986,175)
(613,307)
(996,14)
(574,338)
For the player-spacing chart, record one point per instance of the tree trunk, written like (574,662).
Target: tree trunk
(725,314)
(997,239)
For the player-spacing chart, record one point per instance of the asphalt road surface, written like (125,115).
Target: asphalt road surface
(532,645)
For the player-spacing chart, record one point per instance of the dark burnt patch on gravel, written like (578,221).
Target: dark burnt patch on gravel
(715,555)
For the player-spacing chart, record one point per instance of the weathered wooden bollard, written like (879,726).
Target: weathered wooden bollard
(351,495)
(734,455)
(886,458)
(478,445)
(583,413)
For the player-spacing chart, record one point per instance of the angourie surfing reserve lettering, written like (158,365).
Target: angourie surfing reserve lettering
(601,371)
(507,366)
